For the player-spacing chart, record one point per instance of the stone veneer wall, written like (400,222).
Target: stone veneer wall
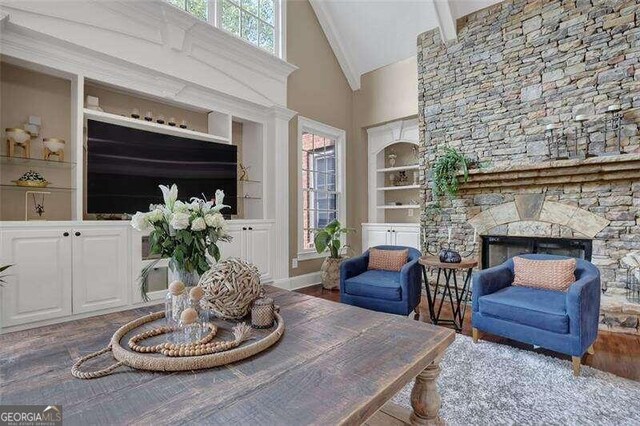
(516,67)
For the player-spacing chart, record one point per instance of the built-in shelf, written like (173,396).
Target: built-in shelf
(399,168)
(243,197)
(249,181)
(35,162)
(150,126)
(404,206)
(400,187)
(33,188)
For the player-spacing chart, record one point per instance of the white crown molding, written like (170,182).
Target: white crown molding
(341,53)
(164,40)
(446,20)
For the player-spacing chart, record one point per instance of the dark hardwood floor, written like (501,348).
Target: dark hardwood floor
(614,352)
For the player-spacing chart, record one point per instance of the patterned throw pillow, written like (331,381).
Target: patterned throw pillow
(555,275)
(387,260)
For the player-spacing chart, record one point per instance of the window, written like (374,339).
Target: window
(321,181)
(255,21)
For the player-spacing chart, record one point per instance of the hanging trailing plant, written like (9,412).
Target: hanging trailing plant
(445,174)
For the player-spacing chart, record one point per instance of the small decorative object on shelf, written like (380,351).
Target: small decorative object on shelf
(183,124)
(18,138)
(329,240)
(416,178)
(581,134)
(172,122)
(38,204)
(243,173)
(613,123)
(32,179)
(392,158)
(53,147)
(230,287)
(135,113)
(262,313)
(185,232)
(401,179)
(148,116)
(33,126)
(93,103)
(556,144)
(160,119)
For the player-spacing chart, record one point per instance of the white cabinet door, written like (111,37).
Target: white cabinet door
(406,236)
(374,235)
(100,268)
(39,283)
(233,248)
(259,250)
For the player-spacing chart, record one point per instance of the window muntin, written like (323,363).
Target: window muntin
(320,190)
(255,21)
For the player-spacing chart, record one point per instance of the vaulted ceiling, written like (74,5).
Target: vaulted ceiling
(369,34)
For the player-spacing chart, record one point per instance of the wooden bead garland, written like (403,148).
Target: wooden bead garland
(203,346)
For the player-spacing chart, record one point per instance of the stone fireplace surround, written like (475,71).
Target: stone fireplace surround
(516,67)
(596,199)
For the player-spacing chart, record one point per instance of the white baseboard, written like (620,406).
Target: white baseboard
(301,281)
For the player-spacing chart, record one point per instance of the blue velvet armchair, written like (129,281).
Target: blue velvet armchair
(559,321)
(383,291)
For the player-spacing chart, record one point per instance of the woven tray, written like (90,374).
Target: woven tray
(262,339)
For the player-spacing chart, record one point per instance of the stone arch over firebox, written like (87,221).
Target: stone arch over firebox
(531,213)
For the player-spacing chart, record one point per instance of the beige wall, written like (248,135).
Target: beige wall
(387,94)
(24,93)
(319,91)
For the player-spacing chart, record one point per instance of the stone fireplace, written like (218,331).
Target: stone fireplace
(515,68)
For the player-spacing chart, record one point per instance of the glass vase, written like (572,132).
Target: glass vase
(189,279)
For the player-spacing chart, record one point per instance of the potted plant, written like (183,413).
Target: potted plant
(2,283)
(445,174)
(329,240)
(183,232)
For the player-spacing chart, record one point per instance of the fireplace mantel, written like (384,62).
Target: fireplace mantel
(595,169)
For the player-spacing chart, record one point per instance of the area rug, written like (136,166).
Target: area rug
(492,384)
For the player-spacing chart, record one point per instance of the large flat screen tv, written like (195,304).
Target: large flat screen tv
(125,167)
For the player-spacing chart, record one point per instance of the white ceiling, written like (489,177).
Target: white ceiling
(369,34)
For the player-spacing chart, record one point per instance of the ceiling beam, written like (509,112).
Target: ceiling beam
(331,32)
(446,20)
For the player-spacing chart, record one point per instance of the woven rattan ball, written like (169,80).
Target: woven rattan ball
(230,287)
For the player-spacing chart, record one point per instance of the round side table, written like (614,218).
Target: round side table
(458,296)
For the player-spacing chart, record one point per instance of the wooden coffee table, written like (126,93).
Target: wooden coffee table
(335,364)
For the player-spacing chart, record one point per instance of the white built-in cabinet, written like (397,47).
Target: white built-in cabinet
(251,242)
(394,234)
(100,268)
(60,271)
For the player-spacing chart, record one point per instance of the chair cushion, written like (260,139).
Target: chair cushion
(375,284)
(543,309)
(555,275)
(387,260)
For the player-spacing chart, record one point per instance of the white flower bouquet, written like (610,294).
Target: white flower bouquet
(183,232)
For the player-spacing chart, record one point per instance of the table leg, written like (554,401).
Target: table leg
(425,398)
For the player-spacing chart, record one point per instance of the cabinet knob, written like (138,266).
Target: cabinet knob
(78,234)
(244,228)
(66,234)
(250,229)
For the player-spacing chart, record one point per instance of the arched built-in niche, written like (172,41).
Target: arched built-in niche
(401,135)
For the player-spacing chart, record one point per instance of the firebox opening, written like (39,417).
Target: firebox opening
(496,249)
